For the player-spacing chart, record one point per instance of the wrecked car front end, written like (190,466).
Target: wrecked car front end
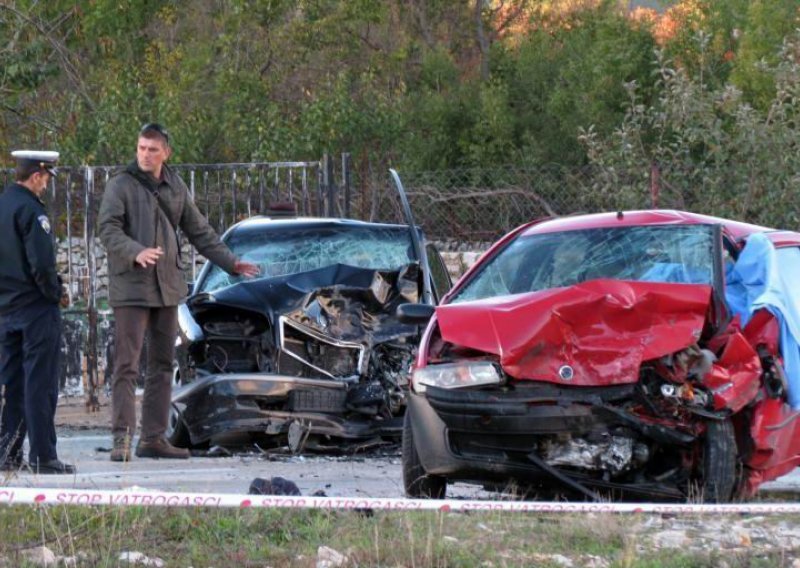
(312,357)
(599,362)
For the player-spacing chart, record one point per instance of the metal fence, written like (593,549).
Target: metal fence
(468,205)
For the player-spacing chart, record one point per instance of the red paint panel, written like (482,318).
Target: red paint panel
(775,432)
(736,377)
(763,329)
(603,329)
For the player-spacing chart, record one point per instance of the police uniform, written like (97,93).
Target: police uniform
(30,324)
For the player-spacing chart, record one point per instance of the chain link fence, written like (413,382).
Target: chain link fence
(479,205)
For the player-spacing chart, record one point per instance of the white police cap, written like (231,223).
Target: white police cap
(44,159)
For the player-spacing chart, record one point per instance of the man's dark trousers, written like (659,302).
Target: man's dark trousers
(131,323)
(30,345)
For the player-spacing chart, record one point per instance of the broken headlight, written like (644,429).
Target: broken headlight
(456,376)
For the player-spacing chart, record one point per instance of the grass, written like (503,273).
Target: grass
(263,537)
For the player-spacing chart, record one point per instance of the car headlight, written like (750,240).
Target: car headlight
(456,376)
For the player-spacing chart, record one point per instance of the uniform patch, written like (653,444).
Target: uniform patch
(44,223)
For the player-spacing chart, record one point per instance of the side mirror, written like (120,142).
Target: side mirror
(417,314)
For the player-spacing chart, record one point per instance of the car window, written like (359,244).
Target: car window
(278,253)
(678,254)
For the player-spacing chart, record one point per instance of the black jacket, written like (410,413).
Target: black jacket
(27,256)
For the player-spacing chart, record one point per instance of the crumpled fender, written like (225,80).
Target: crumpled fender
(603,329)
(735,379)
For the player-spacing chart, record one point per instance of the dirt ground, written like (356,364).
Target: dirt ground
(73,413)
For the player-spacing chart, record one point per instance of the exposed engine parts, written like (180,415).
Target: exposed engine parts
(333,356)
(615,454)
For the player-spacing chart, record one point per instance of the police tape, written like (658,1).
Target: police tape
(150,498)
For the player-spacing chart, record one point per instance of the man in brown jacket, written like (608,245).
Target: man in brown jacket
(142,208)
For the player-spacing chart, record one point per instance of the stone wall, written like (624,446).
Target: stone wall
(458,256)
(81,280)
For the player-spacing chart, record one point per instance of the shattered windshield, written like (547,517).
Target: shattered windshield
(674,253)
(278,253)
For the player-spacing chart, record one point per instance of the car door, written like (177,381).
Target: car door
(440,277)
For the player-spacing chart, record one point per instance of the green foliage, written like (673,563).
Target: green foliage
(714,151)
(768,22)
(572,76)
(390,82)
(491,137)
(563,75)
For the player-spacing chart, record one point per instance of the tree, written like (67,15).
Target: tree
(715,152)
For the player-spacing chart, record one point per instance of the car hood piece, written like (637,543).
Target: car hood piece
(341,301)
(594,333)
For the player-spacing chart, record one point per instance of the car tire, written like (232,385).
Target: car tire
(720,458)
(417,482)
(177,433)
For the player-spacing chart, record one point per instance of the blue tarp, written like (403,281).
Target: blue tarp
(676,272)
(766,277)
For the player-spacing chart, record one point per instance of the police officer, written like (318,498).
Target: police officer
(30,320)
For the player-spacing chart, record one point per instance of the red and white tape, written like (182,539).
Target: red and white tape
(147,498)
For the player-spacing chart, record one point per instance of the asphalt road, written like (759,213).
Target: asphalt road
(377,474)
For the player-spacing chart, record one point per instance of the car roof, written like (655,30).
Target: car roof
(263,223)
(736,229)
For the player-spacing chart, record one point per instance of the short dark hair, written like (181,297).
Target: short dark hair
(26,168)
(153,130)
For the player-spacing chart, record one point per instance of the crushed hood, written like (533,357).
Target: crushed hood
(602,329)
(341,301)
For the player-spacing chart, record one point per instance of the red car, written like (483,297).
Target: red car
(645,354)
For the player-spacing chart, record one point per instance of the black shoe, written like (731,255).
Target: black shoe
(53,467)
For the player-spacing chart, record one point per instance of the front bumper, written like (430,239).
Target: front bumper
(256,403)
(486,436)
(441,450)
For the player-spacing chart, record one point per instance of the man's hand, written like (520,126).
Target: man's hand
(148,256)
(246,269)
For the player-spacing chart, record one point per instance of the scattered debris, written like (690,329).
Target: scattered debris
(297,436)
(273,486)
(217,452)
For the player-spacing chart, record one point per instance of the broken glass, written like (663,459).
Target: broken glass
(296,250)
(678,254)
